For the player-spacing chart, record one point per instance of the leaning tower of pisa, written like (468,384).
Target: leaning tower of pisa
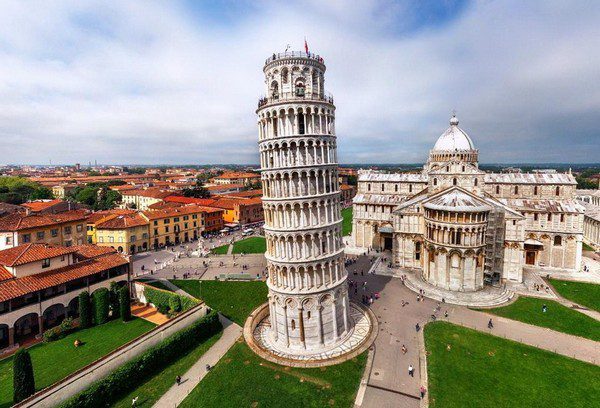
(308,296)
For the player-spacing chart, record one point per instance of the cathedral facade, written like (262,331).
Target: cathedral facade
(461,227)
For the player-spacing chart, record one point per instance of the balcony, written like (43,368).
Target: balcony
(298,95)
(294,54)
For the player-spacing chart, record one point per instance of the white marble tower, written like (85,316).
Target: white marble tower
(308,295)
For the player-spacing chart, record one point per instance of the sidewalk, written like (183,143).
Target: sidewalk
(540,337)
(194,375)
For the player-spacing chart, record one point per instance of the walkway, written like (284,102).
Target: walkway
(148,313)
(194,375)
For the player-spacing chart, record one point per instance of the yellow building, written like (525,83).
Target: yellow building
(175,225)
(127,233)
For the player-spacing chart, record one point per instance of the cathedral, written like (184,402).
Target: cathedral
(462,228)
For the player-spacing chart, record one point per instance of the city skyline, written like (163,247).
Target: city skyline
(176,83)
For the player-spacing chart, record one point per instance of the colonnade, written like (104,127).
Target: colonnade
(300,183)
(302,152)
(304,246)
(306,214)
(294,121)
(310,277)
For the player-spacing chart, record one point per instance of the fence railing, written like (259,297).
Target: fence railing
(292,54)
(295,96)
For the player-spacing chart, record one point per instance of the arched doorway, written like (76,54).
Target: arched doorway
(53,316)
(27,327)
(73,308)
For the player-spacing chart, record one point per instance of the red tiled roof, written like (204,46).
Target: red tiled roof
(220,187)
(88,251)
(173,212)
(247,194)
(106,214)
(41,205)
(151,192)
(122,221)
(27,253)
(21,221)
(346,187)
(13,288)
(235,175)
(162,205)
(190,200)
(4,274)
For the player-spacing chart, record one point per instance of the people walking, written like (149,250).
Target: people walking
(490,324)
(178,380)
(422,391)
(417,327)
(411,370)
(544,308)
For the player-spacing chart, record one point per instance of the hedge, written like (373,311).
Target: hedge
(124,303)
(105,392)
(85,310)
(162,300)
(101,305)
(23,381)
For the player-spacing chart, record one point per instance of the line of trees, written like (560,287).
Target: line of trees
(17,190)
(98,196)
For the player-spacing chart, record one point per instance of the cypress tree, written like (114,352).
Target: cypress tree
(23,381)
(85,312)
(114,299)
(101,305)
(124,303)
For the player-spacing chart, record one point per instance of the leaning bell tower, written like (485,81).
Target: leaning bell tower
(308,306)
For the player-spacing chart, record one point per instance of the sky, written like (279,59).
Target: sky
(177,82)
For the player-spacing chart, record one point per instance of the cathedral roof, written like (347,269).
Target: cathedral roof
(456,199)
(454,138)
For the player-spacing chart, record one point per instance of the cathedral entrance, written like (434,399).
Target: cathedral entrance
(387,243)
(530,257)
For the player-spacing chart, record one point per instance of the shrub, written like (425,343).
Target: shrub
(59,332)
(125,303)
(23,381)
(101,305)
(175,304)
(161,299)
(129,376)
(85,310)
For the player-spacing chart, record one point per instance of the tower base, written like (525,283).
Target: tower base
(257,333)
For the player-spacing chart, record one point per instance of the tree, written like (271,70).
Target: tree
(85,310)
(198,191)
(23,381)
(101,305)
(175,304)
(124,303)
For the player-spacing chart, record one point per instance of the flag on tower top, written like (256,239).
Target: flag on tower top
(305,45)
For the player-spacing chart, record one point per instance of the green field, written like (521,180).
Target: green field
(252,245)
(154,387)
(235,300)
(56,360)
(558,317)
(220,250)
(585,294)
(480,370)
(347,221)
(159,285)
(242,379)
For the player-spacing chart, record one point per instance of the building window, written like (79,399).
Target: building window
(176,219)
(535,217)
(549,217)
(514,222)
(557,190)
(166,221)
(435,182)
(111,239)
(562,218)
(133,238)
(557,240)
(475,182)
(46,263)
(155,231)
(26,237)
(293,324)
(79,227)
(410,188)
(368,187)
(54,232)
(40,235)
(166,229)
(396,188)
(8,240)
(68,230)
(454,181)
(101,239)
(516,189)
(535,190)
(497,189)
(155,222)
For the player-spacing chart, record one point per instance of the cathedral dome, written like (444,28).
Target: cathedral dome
(454,138)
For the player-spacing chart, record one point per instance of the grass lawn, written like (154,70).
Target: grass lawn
(347,221)
(558,317)
(585,294)
(150,391)
(586,247)
(236,300)
(56,360)
(159,285)
(220,250)
(252,245)
(481,370)
(242,379)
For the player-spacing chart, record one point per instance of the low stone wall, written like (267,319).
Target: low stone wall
(82,379)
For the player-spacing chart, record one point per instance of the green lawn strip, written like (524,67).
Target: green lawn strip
(557,317)
(56,360)
(347,221)
(156,386)
(220,250)
(242,379)
(481,370)
(235,300)
(159,285)
(585,294)
(252,245)
(586,247)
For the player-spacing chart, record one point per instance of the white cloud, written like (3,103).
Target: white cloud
(153,82)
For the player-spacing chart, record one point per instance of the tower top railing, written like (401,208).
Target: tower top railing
(294,54)
(295,96)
